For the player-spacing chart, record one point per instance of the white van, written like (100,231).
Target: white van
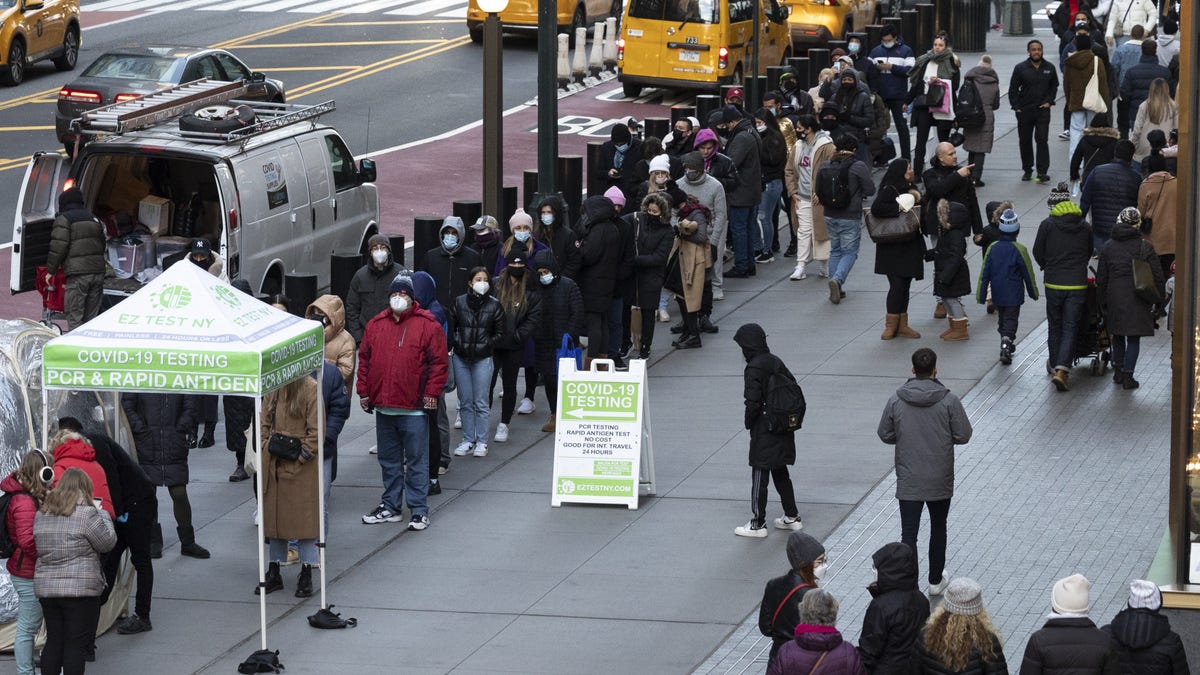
(277,195)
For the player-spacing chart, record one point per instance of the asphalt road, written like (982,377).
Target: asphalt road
(396,78)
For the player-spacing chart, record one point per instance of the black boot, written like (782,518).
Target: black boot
(188,545)
(207,440)
(707,326)
(791,249)
(156,542)
(1127,381)
(679,327)
(274,581)
(304,583)
(691,335)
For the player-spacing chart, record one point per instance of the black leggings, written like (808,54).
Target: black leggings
(70,627)
(181,505)
(897,295)
(596,324)
(134,534)
(923,120)
(548,368)
(508,364)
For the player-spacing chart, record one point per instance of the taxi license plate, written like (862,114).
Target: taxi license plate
(689,56)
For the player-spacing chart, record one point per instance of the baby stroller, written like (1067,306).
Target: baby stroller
(53,294)
(1091,341)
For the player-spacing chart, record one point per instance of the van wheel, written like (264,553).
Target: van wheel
(476,34)
(14,73)
(631,90)
(273,284)
(70,52)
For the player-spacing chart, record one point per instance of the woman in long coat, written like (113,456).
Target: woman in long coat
(652,246)
(900,262)
(290,508)
(1128,317)
(978,141)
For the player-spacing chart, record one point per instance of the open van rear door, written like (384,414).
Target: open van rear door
(36,206)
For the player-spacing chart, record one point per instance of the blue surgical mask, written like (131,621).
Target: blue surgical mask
(522,236)
(623,147)
(852,47)
(547,219)
(449,241)
(888,44)
(546,279)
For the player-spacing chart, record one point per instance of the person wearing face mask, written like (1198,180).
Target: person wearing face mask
(592,263)
(618,158)
(402,369)
(679,142)
(551,227)
(925,420)
(773,158)
(779,613)
(743,200)
(938,64)
(707,192)
(897,612)
(771,452)
(522,309)
(562,314)
(521,241)
(476,321)
(813,145)
(893,60)
(652,239)
(368,293)
(201,255)
(486,240)
(862,61)
(663,172)
(339,344)
(451,262)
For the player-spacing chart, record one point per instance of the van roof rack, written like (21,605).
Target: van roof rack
(146,111)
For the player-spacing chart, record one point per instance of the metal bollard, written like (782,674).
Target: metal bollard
(943,10)
(508,199)
(874,32)
(342,267)
(579,63)
(679,112)
(301,290)
(799,65)
(569,172)
(762,88)
(906,24)
(923,39)
(425,238)
(595,177)
(818,60)
(705,105)
(773,73)
(595,62)
(563,62)
(658,127)
(609,52)
(398,253)
(469,211)
(529,187)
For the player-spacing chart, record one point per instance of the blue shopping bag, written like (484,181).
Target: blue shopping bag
(569,350)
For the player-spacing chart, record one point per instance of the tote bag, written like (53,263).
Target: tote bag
(568,350)
(1143,283)
(1092,100)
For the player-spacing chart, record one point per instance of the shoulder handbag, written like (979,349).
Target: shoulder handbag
(1092,100)
(935,95)
(280,445)
(895,230)
(783,602)
(1143,283)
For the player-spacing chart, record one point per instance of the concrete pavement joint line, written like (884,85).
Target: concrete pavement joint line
(398,60)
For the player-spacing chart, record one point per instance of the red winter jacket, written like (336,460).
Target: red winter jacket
(76,453)
(401,361)
(21,510)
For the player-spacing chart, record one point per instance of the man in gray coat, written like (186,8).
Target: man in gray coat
(924,420)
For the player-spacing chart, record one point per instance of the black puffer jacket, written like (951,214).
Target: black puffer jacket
(1135,83)
(562,309)
(926,663)
(1145,643)
(1069,646)
(558,235)
(76,238)
(132,489)
(1063,248)
(1095,149)
(1109,189)
(160,423)
(951,275)
(742,148)
(1126,313)
(896,614)
(451,269)
(768,450)
(944,182)
(593,261)
(652,246)
(475,325)
(518,325)
(774,154)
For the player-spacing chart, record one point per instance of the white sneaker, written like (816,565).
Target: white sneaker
(663,316)
(481,449)
(501,433)
(940,587)
(1064,135)
(748,530)
(457,420)
(374,450)
(798,273)
(718,293)
(463,449)
(785,523)
(526,407)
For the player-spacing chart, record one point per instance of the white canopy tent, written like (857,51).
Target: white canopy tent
(187,332)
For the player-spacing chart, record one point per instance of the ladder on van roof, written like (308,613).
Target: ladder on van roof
(146,111)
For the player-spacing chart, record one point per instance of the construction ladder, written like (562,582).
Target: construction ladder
(144,111)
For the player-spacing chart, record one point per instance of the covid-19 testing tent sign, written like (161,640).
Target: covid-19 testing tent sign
(188,332)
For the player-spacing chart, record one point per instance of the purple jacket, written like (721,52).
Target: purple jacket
(800,655)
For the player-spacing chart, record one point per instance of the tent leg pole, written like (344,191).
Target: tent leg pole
(258,477)
(321,477)
(46,421)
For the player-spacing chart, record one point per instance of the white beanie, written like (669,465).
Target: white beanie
(661,163)
(1144,595)
(1070,595)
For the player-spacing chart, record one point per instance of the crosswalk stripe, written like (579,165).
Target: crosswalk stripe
(377,6)
(428,6)
(454,9)
(187,4)
(456,13)
(267,7)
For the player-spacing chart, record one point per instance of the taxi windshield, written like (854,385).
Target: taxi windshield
(678,11)
(132,67)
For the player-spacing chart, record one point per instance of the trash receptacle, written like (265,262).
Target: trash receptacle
(1018,17)
(969,24)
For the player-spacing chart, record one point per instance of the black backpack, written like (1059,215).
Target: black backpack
(7,545)
(968,112)
(785,402)
(833,184)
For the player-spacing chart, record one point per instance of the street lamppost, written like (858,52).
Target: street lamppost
(493,101)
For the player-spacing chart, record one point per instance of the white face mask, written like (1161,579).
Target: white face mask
(379,255)
(546,279)
(819,571)
(761,128)
(399,303)
(481,287)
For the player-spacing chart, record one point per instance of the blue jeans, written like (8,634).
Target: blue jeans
(1125,350)
(307,547)
(766,217)
(474,379)
(1064,311)
(403,442)
(29,622)
(1079,121)
(844,237)
(739,228)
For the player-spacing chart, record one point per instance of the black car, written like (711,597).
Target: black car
(127,73)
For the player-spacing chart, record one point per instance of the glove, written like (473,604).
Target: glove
(123,518)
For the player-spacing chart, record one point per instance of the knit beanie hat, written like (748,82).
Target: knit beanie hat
(520,218)
(1129,216)
(1070,595)
(615,196)
(1009,221)
(402,284)
(1061,193)
(802,549)
(963,596)
(1144,595)
(730,114)
(619,134)
(693,161)
(660,163)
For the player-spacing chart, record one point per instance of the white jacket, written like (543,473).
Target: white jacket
(1125,14)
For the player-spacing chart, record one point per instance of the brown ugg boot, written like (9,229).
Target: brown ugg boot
(939,312)
(889,326)
(958,330)
(548,427)
(949,328)
(902,330)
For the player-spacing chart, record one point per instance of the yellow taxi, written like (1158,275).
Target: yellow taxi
(818,21)
(36,30)
(697,44)
(522,16)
